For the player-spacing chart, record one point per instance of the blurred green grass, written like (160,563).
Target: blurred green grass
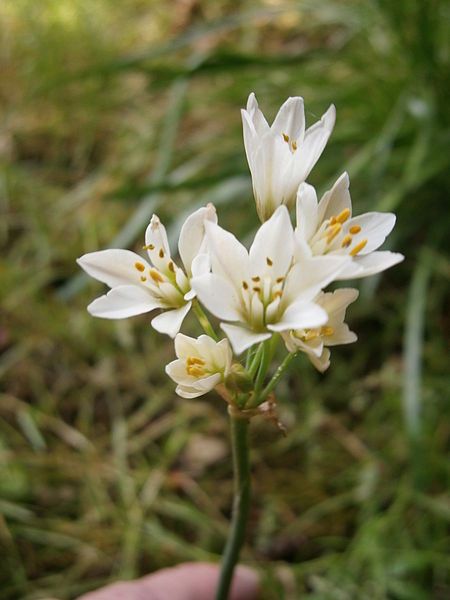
(113,110)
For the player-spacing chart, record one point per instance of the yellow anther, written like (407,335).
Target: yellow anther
(139,266)
(143,278)
(161,253)
(194,360)
(279,279)
(294,146)
(346,241)
(256,278)
(148,247)
(354,251)
(245,285)
(269,261)
(311,334)
(285,137)
(355,229)
(171,267)
(156,276)
(327,331)
(333,221)
(278,294)
(333,232)
(195,371)
(343,216)
(256,289)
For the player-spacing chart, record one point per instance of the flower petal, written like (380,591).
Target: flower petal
(218,296)
(229,258)
(192,235)
(123,301)
(290,119)
(374,228)
(185,346)
(114,267)
(314,142)
(242,338)
(307,211)
(363,266)
(301,315)
(169,322)
(308,277)
(259,121)
(157,243)
(272,249)
(322,362)
(335,200)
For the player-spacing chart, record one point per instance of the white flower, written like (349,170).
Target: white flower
(328,228)
(281,156)
(201,365)
(314,341)
(139,286)
(260,292)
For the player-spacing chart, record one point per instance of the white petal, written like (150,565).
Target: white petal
(218,296)
(375,227)
(123,301)
(114,267)
(307,213)
(242,338)
(301,315)
(337,301)
(336,200)
(290,119)
(309,276)
(315,141)
(342,335)
(229,258)
(321,363)
(185,346)
(259,122)
(192,234)
(196,390)
(208,383)
(201,265)
(169,322)
(370,264)
(156,239)
(272,249)
(176,370)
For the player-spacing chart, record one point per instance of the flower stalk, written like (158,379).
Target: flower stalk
(241,504)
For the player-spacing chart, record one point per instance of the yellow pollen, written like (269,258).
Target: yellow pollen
(343,216)
(346,241)
(354,251)
(156,276)
(285,137)
(148,247)
(278,294)
(256,278)
(194,360)
(327,331)
(355,229)
(195,371)
(171,267)
(245,285)
(294,146)
(333,232)
(143,278)
(311,334)
(333,221)
(161,253)
(139,266)
(256,289)
(269,261)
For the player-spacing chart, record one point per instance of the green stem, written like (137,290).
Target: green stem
(241,503)
(275,379)
(263,366)
(203,320)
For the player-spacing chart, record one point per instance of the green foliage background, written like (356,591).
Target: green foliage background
(113,110)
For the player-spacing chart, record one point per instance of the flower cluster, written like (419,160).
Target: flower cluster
(274,290)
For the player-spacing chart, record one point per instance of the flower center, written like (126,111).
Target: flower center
(261,298)
(306,335)
(329,237)
(195,366)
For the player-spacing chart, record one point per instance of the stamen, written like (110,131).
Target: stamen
(294,146)
(311,334)
(139,266)
(256,289)
(346,241)
(161,253)
(156,276)
(143,278)
(333,221)
(278,294)
(358,248)
(148,247)
(195,371)
(269,261)
(245,285)
(285,137)
(194,360)
(343,216)
(327,331)
(333,232)
(279,279)
(355,229)
(256,278)
(171,267)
